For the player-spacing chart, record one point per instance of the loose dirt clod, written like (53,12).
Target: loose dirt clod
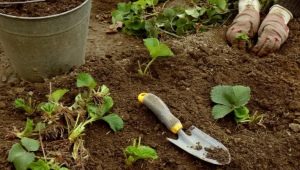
(197,147)
(217,154)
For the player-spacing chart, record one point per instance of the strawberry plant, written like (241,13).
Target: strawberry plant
(93,103)
(22,155)
(97,103)
(231,99)
(156,50)
(142,17)
(137,151)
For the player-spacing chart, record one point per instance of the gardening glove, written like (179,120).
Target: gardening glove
(246,22)
(272,33)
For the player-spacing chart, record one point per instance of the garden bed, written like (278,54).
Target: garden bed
(184,82)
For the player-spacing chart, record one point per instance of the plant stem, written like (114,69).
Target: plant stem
(172,34)
(148,65)
(42,146)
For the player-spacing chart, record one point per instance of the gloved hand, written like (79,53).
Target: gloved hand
(246,22)
(271,35)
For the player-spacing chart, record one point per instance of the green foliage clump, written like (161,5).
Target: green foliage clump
(22,155)
(231,99)
(142,17)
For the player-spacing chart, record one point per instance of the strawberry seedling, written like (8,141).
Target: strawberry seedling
(26,106)
(97,103)
(137,151)
(231,99)
(156,50)
(22,155)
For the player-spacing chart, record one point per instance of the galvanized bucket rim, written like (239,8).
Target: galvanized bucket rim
(45,17)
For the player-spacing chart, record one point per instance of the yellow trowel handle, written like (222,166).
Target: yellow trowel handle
(161,110)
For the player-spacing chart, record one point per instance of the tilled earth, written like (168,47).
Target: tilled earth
(184,82)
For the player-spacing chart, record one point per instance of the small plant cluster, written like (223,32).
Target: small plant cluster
(22,155)
(147,18)
(156,50)
(91,104)
(137,151)
(232,99)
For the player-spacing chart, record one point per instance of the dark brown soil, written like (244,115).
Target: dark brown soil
(217,154)
(38,9)
(184,83)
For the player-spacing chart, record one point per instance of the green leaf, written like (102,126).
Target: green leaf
(57,95)
(94,111)
(106,105)
(223,95)
(242,94)
(15,151)
(30,144)
(192,12)
(104,90)
(39,127)
(115,121)
(20,103)
(141,152)
(48,108)
(21,159)
(222,4)
(28,129)
(138,151)
(169,13)
(241,114)
(220,111)
(157,49)
(86,80)
(39,165)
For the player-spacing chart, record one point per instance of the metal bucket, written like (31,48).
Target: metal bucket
(41,47)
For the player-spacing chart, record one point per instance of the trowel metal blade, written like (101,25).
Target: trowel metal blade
(196,143)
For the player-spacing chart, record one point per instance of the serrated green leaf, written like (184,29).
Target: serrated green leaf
(15,151)
(39,165)
(48,108)
(115,121)
(86,80)
(30,144)
(57,95)
(27,130)
(242,94)
(20,103)
(220,111)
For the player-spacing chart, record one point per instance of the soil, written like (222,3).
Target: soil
(38,9)
(184,82)
(217,154)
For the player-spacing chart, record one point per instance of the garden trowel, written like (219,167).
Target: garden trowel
(198,143)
